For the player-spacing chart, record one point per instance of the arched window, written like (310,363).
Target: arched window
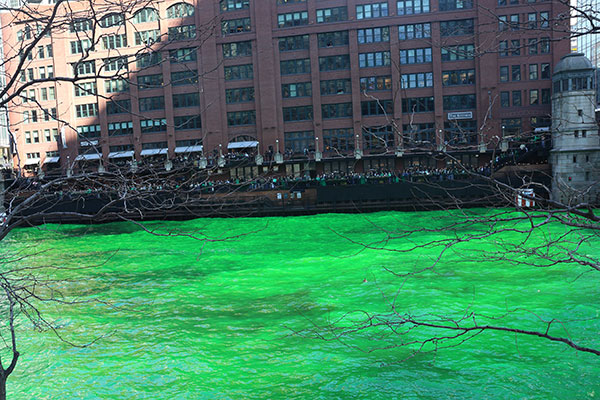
(145,15)
(180,10)
(113,19)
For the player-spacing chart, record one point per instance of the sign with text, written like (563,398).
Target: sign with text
(461,115)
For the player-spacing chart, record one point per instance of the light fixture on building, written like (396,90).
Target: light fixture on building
(318,155)
(278,155)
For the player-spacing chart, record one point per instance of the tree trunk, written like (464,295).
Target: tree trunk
(3,386)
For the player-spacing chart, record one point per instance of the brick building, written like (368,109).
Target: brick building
(369,84)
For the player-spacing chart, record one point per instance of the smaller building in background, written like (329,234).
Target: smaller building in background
(575,156)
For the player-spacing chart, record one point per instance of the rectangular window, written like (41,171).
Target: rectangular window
(291,43)
(460,102)
(460,77)
(332,39)
(378,137)
(408,7)
(545,45)
(338,140)
(115,64)
(516,98)
(118,106)
(334,63)
(450,5)
(545,67)
(115,41)
(375,83)
(376,10)
(302,89)
(186,100)
(85,89)
(377,107)
(292,19)
(300,113)
(185,77)
(182,32)
(147,59)
(153,125)
(460,133)
(116,86)
(415,56)
(335,14)
(239,72)
(148,37)
(504,99)
(299,66)
(232,5)
(516,73)
(504,74)
(534,97)
(238,118)
(299,142)
(418,80)
(376,59)
(457,27)
(187,122)
(232,26)
(515,46)
(80,46)
(182,55)
(149,81)
(374,35)
(239,95)
(532,45)
(237,49)
(457,53)
(533,72)
(532,20)
(336,86)
(152,103)
(514,22)
(544,19)
(338,110)
(120,128)
(546,96)
(414,31)
(418,104)
(86,110)
(84,68)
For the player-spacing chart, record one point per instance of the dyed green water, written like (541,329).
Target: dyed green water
(214,320)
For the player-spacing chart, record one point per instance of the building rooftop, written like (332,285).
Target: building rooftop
(573,62)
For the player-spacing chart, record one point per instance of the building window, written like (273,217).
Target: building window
(545,67)
(376,59)
(457,53)
(377,107)
(239,95)
(460,77)
(532,45)
(238,118)
(376,10)
(332,39)
(114,41)
(187,122)
(153,125)
(152,103)
(118,106)
(147,37)
(78,25)
(87,132)
(378,137)
(516,73)
(302,89)
(460,133)
(415,56)
(545,45)
(533,72)
(338,110)
(457,27)
(239,72)
(336,86)
(291,67)
(335,14)
(419,135)
(418,104)
(239,25)
(120,128)
(150,81)
(516,98)
(414,31)
(375,83)
(185,77)
(147,59)
(511,126)
(450,5)
(186,100)
(231,5)
(85,89)
(116,86)
(299,142)
(534,97)
(504,99)
(292,19)
(86,110)
(334,63)
(80,46)
(292,43)
(418,80)
(115,64)
(407,7)
(300,113)
(183,32)
(183,55)
(374,35)
(503,48)
(180,10)
(110,20)
(515,46)
(145,15)
(237,49)
(546,96)
(460,102)
(338,140)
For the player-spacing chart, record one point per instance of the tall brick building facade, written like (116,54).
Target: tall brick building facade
(370,84)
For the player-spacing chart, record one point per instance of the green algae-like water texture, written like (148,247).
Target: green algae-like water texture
(216,319)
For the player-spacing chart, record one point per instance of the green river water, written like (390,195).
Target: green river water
(194,320)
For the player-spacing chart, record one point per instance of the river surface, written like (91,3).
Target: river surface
(215,320)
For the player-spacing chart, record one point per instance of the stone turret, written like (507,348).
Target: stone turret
(575,155)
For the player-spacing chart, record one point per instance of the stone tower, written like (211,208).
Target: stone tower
(575,155)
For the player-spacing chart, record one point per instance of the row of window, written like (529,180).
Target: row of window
(515,98)
(535,71)
(533,20)
(48,135)
(147,126)
(513,47)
